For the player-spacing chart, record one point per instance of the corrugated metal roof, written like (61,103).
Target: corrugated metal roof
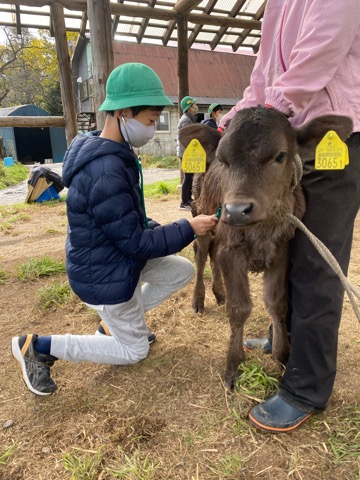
(23,110)
(213,76)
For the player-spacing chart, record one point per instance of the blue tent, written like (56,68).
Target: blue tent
(31,145)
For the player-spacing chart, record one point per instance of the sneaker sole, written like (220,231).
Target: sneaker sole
(18,356)
(266,428)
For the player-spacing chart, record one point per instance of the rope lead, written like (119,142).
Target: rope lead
(331,260)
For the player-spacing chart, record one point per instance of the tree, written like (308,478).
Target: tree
(29,71)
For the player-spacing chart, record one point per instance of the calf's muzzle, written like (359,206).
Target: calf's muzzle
(238,214)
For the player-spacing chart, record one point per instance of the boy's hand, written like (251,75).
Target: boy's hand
(203,224)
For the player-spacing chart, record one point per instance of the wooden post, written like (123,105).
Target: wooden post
(183,67)
(183,62)
(62,51)
(101,51)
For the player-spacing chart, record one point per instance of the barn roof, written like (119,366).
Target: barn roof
(213,76)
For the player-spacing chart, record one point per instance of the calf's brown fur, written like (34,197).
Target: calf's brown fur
(250,175)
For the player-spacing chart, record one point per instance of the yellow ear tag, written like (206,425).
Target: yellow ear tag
(194,158)
(331,153)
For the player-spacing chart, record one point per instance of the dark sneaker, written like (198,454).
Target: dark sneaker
(103,330)
(35,366)
(253,343)
(184,206)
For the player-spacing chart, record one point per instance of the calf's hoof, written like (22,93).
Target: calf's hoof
(231,377)
(282,356)
(220,299)
(198,306)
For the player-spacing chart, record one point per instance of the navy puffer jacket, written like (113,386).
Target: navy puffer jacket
(108,243)
(210,122)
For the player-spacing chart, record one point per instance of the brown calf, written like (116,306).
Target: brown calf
(251,175)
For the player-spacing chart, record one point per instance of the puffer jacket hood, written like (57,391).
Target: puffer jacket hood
(86,148)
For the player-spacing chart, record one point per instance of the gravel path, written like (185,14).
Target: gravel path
(17,193)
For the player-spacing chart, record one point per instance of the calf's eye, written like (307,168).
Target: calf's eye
(222,161)
(281,157)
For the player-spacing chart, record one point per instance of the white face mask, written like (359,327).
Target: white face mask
(135,132)
(194,109)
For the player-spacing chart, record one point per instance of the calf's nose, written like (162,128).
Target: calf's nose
(238,214)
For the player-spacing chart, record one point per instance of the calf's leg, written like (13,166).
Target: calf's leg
(201,248)
(238,308)
(217,282)
(276,301)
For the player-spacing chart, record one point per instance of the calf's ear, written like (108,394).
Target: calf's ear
(309,136)
(209,138)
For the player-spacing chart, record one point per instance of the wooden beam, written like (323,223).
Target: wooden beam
(259,14)
(183,7)
(101,51)
(234,11)
(144,23)
(32,122)
(168,33)
(63,57)
(18,19)
(208,9)
(84,19)
(115,22)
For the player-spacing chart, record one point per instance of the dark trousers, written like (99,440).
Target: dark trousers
(186,188)
(316,293)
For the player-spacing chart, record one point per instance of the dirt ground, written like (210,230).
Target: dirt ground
(168,417)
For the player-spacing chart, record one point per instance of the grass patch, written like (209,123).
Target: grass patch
(52,203)
(6,454)
(159,189)
(55,295)
(150,161)
(12,175)
(83,467)
(9,224)
(344,439)
(39,267)
(229,467)
(11,215)
(134,468)
(3,276)
(253,380)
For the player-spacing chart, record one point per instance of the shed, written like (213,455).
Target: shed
(31,145)
(219,77)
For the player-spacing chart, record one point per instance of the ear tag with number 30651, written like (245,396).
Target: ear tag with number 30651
(194,158)
(331,153)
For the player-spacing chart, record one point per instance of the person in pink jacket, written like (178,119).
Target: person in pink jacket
(309,65)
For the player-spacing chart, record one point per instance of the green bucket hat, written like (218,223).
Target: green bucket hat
(186,102)
(213,106)
(133,85)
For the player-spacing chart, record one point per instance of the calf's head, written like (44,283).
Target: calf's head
(257,160)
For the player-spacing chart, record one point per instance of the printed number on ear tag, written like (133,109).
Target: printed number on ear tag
(194,158)
(331,153)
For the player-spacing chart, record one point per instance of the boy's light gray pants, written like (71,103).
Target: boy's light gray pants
(161,277)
